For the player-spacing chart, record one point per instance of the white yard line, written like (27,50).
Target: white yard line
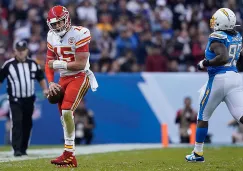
(92,149)
(54,152)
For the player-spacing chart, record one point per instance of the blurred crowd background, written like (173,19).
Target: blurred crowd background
(127,35)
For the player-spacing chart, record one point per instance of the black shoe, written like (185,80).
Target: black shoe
(17,154)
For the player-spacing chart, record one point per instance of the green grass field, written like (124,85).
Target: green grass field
(223,158)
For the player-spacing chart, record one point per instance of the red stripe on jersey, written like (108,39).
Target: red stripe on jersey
(83,41)
(84,48)
(50,53)
(49,46)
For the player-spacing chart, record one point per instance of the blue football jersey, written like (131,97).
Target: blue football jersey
(233,44)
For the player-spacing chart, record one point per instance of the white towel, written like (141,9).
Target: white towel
(92,80)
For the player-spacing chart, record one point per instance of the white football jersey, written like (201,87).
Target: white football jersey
(66,47)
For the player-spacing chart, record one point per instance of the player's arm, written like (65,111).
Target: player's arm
(41,79)
(44,87)
(3,73)
(50,56)
(79,63)
(239,63)
(222,55)
(221,58)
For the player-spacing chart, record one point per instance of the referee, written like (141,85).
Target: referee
(21,72)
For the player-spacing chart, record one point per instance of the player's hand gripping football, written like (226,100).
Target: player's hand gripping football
(53,88)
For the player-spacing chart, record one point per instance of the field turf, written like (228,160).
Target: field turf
(171,159)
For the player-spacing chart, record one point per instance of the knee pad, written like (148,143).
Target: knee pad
(67,115)
(68,122)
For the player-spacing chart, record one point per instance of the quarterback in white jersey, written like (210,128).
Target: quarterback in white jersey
(224,83)
(65,48)
(68,52)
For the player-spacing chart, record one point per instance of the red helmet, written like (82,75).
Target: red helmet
(56,14)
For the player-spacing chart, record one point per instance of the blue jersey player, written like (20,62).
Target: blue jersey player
(224,83)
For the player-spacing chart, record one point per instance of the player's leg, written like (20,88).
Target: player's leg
(210,98)
(27,124)
(16,115)
(234,102)
(63,82)
(234,97)
(74,92)
(73,95)
(88,136)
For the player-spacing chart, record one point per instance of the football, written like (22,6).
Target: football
(56,97)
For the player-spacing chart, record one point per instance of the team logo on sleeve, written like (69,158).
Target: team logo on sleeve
(71,40)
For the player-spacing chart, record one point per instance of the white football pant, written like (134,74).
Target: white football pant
(226,87)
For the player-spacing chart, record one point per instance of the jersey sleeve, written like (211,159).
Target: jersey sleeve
(84,37)
(50,55)
(218,37)
(39,73)
(3,72)
(50,49)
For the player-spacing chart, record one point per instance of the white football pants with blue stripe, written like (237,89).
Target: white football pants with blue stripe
(227,87)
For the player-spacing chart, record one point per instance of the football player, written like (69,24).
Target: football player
(224,83)
(68,52)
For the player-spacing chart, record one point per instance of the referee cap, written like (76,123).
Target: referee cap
(21,45)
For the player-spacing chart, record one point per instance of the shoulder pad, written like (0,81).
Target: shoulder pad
(49,37)
(239,35)
(80,29)
(218,35)
(49,33)
(83,37)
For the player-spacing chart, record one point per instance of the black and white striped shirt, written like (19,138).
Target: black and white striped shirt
(20,77)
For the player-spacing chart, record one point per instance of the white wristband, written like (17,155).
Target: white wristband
(59,64)
(201,64)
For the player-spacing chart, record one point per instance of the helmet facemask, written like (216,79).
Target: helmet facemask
(63,28)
